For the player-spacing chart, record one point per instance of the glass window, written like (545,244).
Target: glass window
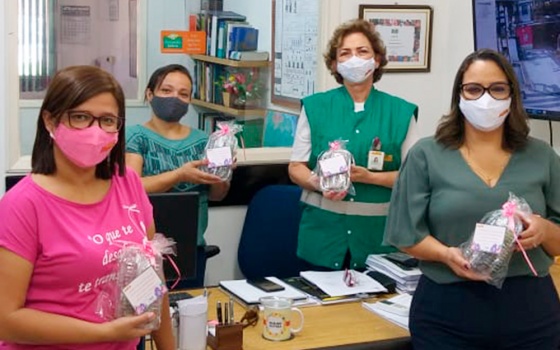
(54,34)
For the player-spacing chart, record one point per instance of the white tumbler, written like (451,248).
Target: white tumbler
(192,323)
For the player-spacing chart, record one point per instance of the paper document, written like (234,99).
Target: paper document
(393,313)
(249,294)
(332,283)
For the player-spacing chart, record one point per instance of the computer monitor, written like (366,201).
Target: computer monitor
(527,32)
(176,216)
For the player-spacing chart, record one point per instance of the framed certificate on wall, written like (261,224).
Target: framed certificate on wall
(407,34)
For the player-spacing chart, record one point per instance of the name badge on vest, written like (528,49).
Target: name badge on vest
(375,156)
(375,160)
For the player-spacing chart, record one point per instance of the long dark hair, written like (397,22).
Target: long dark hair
(70,88)
(451,129)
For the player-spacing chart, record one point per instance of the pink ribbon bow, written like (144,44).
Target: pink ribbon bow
(334,145)
(509,209)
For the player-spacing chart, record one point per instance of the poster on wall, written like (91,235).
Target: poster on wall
(295,25)
(75,25)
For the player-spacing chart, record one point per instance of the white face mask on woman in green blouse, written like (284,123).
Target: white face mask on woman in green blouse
(485,113)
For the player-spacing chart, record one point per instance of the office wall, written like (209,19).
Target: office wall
(172,15)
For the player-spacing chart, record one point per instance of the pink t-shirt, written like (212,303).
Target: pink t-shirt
(73,247)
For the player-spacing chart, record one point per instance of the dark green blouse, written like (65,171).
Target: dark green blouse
(438,194)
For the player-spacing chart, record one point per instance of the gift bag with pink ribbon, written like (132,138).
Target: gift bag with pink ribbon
(137,284)
(221,149)
(333,168)
(494,239)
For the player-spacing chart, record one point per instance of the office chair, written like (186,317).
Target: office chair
(268,242)
(176,215)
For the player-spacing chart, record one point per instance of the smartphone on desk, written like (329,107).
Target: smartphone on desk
(403,260)
(265,284)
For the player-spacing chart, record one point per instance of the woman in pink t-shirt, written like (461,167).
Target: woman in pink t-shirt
(63,226)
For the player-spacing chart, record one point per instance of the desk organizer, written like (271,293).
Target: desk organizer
(227,337)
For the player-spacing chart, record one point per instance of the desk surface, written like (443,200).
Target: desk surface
(328,325)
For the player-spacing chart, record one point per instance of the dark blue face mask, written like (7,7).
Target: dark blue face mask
(169,109)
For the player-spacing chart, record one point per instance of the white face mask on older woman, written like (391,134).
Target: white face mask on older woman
(356,69)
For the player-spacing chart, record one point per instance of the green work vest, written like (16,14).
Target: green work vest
(328,230)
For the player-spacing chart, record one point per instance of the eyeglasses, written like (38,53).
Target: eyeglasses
(84,120)
(474,91)
(349,278)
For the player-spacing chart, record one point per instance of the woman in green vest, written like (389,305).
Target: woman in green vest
(339,230)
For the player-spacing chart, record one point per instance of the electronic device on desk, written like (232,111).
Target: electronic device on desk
(265,285)
(403,260)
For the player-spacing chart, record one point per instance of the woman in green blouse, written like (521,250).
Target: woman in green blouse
(481,152)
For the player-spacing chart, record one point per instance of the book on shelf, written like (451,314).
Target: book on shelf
(249,55)
(214,23)
(244,39)
(229,28)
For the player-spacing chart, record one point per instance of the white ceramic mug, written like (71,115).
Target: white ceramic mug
(277,318)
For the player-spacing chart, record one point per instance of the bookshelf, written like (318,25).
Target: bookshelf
(212,105)
(209,103)
(228,110)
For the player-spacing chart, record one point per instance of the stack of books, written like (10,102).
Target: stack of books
(395,309)
(227,32)
(405,277)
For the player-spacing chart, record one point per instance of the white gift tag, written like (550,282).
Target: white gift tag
(219,157)
(144,290)
(333,166)
(375,160)
(488,238)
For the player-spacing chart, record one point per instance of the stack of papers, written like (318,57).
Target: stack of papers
(407,279)
(250,295)
(395,309)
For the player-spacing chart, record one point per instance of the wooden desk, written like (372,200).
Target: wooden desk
(326,326)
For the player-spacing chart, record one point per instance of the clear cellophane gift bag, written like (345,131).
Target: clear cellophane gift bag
(335,178)
(134,259)
(223,137)
(494,264)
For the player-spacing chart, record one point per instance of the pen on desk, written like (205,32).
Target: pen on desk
(226,313)
(219,312)
(231,314)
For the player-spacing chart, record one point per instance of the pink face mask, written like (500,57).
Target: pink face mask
(84,147)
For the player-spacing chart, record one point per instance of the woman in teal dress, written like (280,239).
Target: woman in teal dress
(167,154)
(481,152)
